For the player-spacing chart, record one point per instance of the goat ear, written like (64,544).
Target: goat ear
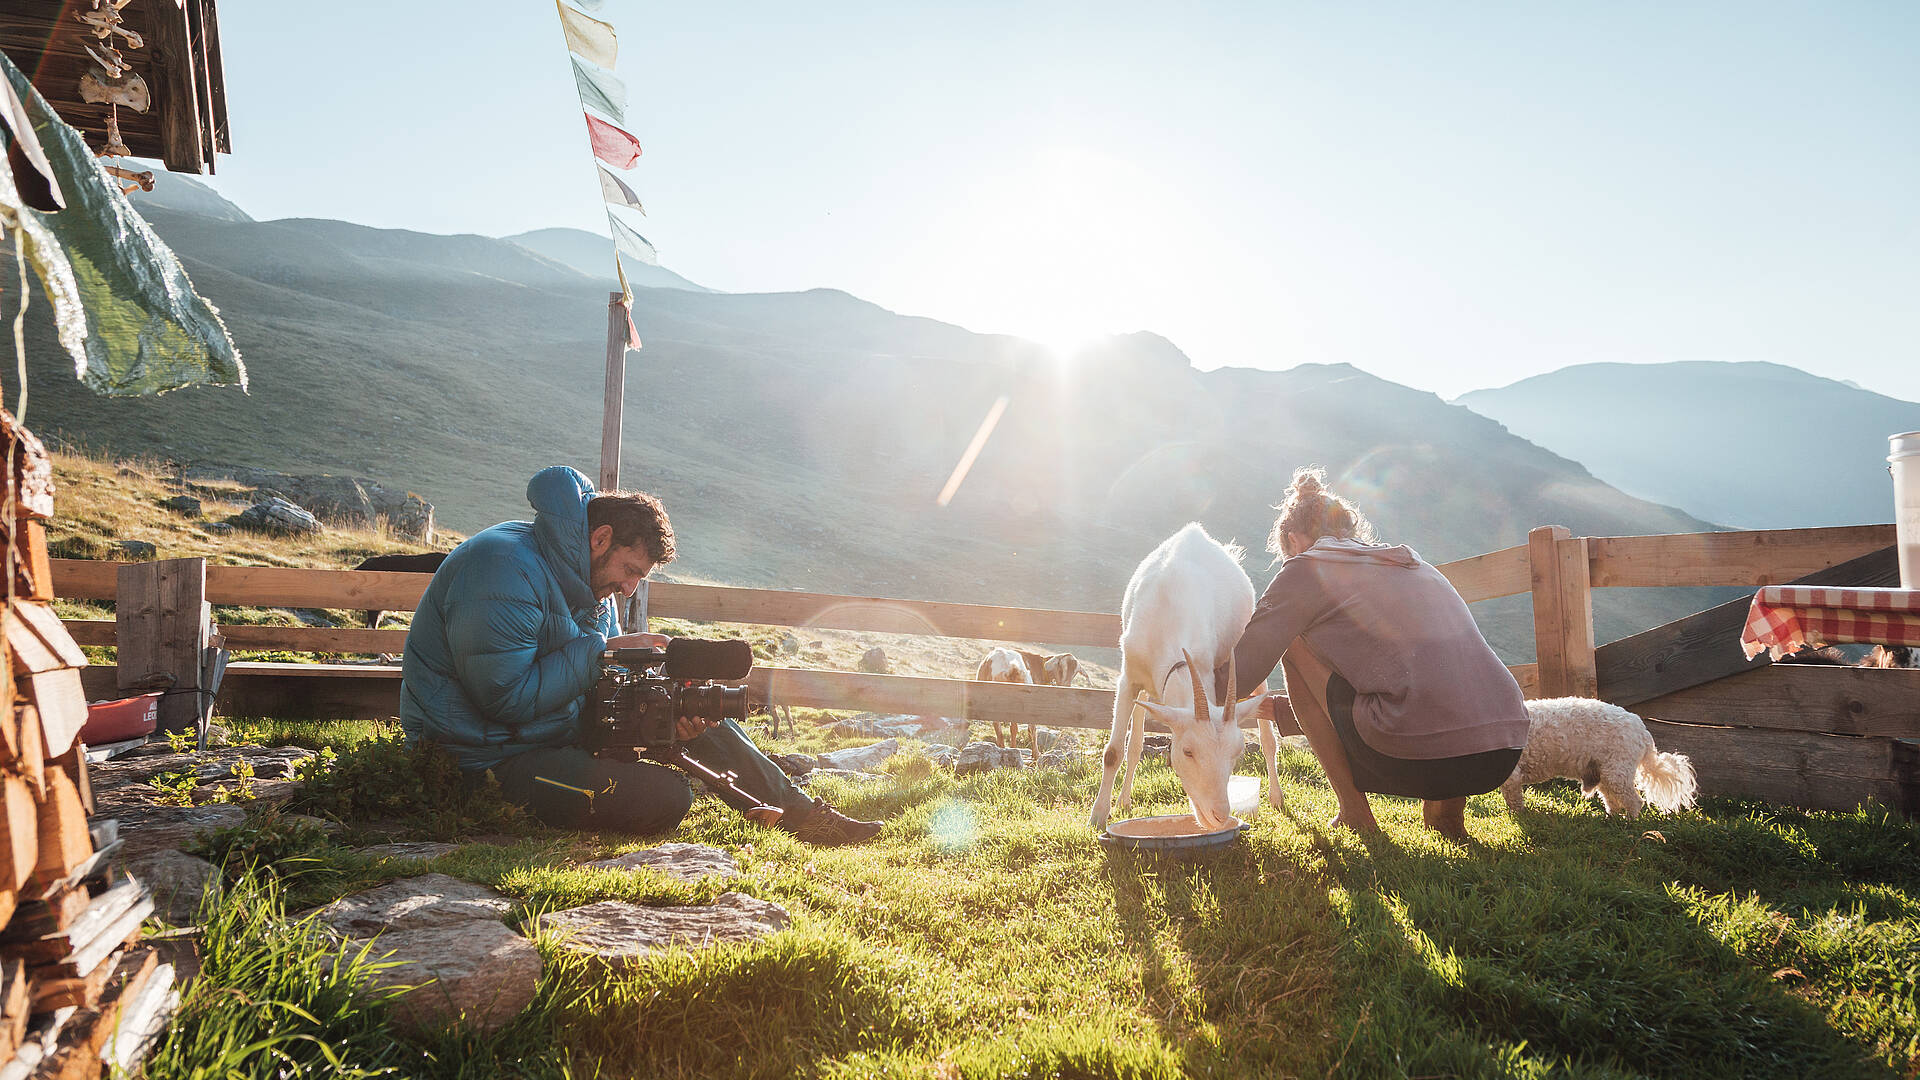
(1173,718)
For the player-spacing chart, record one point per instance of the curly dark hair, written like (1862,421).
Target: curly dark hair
(637,518)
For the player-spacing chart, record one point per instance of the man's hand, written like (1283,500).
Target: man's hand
(690,727)
(638,641)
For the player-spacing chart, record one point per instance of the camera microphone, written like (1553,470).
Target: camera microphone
(696,658)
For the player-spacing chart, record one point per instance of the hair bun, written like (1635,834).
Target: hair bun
(1309,480)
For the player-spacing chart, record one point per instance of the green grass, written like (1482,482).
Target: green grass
(986,934)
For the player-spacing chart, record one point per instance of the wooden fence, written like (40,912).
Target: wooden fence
(1809,736)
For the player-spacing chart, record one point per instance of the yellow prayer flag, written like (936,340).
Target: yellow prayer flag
(588,37)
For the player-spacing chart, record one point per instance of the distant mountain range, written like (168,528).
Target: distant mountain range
(592,254)
(800,439)
(1755,446)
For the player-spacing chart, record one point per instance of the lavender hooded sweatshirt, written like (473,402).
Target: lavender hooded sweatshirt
(1426,683)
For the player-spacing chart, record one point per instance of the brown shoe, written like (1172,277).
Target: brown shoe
(826,827)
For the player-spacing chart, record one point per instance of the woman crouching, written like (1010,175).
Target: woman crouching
(1395,688)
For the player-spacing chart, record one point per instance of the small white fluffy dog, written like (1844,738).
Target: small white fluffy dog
(1607,749)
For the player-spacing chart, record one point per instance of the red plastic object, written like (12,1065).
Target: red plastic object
(118,721)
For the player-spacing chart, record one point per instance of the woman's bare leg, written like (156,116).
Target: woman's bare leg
(1307,677)
(1448,817)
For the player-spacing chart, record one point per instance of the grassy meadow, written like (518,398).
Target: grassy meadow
(987,934)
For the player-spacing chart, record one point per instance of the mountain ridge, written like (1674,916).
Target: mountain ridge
(1751,444)
(800,439)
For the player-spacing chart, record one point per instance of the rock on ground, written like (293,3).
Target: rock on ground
(422,849)
(874,660)
(453,949)
(176,881)
(412,904)
(353,500)
(147,828)
(618,933)
(985,757)
(688,862)
(476,969)
(859,758)
(794,764)
(275,515)
(939,729)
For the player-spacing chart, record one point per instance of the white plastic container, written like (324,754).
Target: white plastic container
(1903,459)
(1243,792)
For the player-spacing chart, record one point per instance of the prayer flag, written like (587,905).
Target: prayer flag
(588,37)
(628,242)
(611,144)
(600,90)
(615,191)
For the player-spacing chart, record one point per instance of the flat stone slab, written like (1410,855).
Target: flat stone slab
(176,881)
(843,774)
(859,758)
(619,934)
(269,763)
(422,849)
(147,828)
(474,969)
(688,862)
(415,903)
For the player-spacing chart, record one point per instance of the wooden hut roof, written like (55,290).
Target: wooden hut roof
(185,122)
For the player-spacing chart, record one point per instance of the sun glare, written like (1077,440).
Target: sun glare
(1059,248)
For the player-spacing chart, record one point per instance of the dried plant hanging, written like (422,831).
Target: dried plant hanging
(115,83)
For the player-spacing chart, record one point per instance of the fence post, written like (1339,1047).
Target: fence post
(1576,613)
(161,634)
(1562,612)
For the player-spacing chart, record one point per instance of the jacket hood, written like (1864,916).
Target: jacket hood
(559,495)
(1328,549)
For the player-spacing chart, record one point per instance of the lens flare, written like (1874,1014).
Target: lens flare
(953,828)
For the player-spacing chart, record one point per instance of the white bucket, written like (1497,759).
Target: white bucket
(1903,460)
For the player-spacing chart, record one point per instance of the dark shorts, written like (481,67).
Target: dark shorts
(1435,778)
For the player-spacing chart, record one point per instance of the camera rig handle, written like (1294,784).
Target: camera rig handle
(724,785)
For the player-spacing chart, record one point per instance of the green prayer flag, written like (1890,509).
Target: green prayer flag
(146,330)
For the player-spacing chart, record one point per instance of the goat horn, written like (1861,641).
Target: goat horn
(1232,695)
(1199,689)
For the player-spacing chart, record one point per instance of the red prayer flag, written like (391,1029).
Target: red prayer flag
(611,144)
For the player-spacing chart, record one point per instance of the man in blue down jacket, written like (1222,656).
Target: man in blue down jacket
(506,645)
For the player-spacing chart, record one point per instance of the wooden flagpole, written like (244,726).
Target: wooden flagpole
(633,612)
(617,322)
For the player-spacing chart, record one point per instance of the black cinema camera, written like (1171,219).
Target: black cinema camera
(642,694)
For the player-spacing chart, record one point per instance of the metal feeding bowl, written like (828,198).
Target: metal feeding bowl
(1170,832)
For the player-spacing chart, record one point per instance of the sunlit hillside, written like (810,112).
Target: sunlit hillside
(800,440)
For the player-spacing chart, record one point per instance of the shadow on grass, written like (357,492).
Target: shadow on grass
(1422,957)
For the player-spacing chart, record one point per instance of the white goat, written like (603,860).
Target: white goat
(1186,606)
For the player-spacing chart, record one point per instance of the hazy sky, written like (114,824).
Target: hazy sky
(1448,195)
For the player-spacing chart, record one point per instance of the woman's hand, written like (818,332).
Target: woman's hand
(690,727)
(638,641)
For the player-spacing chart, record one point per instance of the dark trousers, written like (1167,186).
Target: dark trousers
(1434,779)
(568,788)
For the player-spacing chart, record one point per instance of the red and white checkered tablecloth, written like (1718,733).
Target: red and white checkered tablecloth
(1784,617)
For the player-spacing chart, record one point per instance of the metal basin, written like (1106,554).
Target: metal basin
(1170,832)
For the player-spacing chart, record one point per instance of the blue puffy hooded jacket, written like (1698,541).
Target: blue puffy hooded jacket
(507,640)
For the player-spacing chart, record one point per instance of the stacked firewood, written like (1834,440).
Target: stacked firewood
(77,994)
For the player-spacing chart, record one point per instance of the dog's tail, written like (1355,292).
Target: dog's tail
(1667,780)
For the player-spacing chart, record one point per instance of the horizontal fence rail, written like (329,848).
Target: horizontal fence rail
(1853,733)
(275,586)
(1737,559)
(1490,576)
